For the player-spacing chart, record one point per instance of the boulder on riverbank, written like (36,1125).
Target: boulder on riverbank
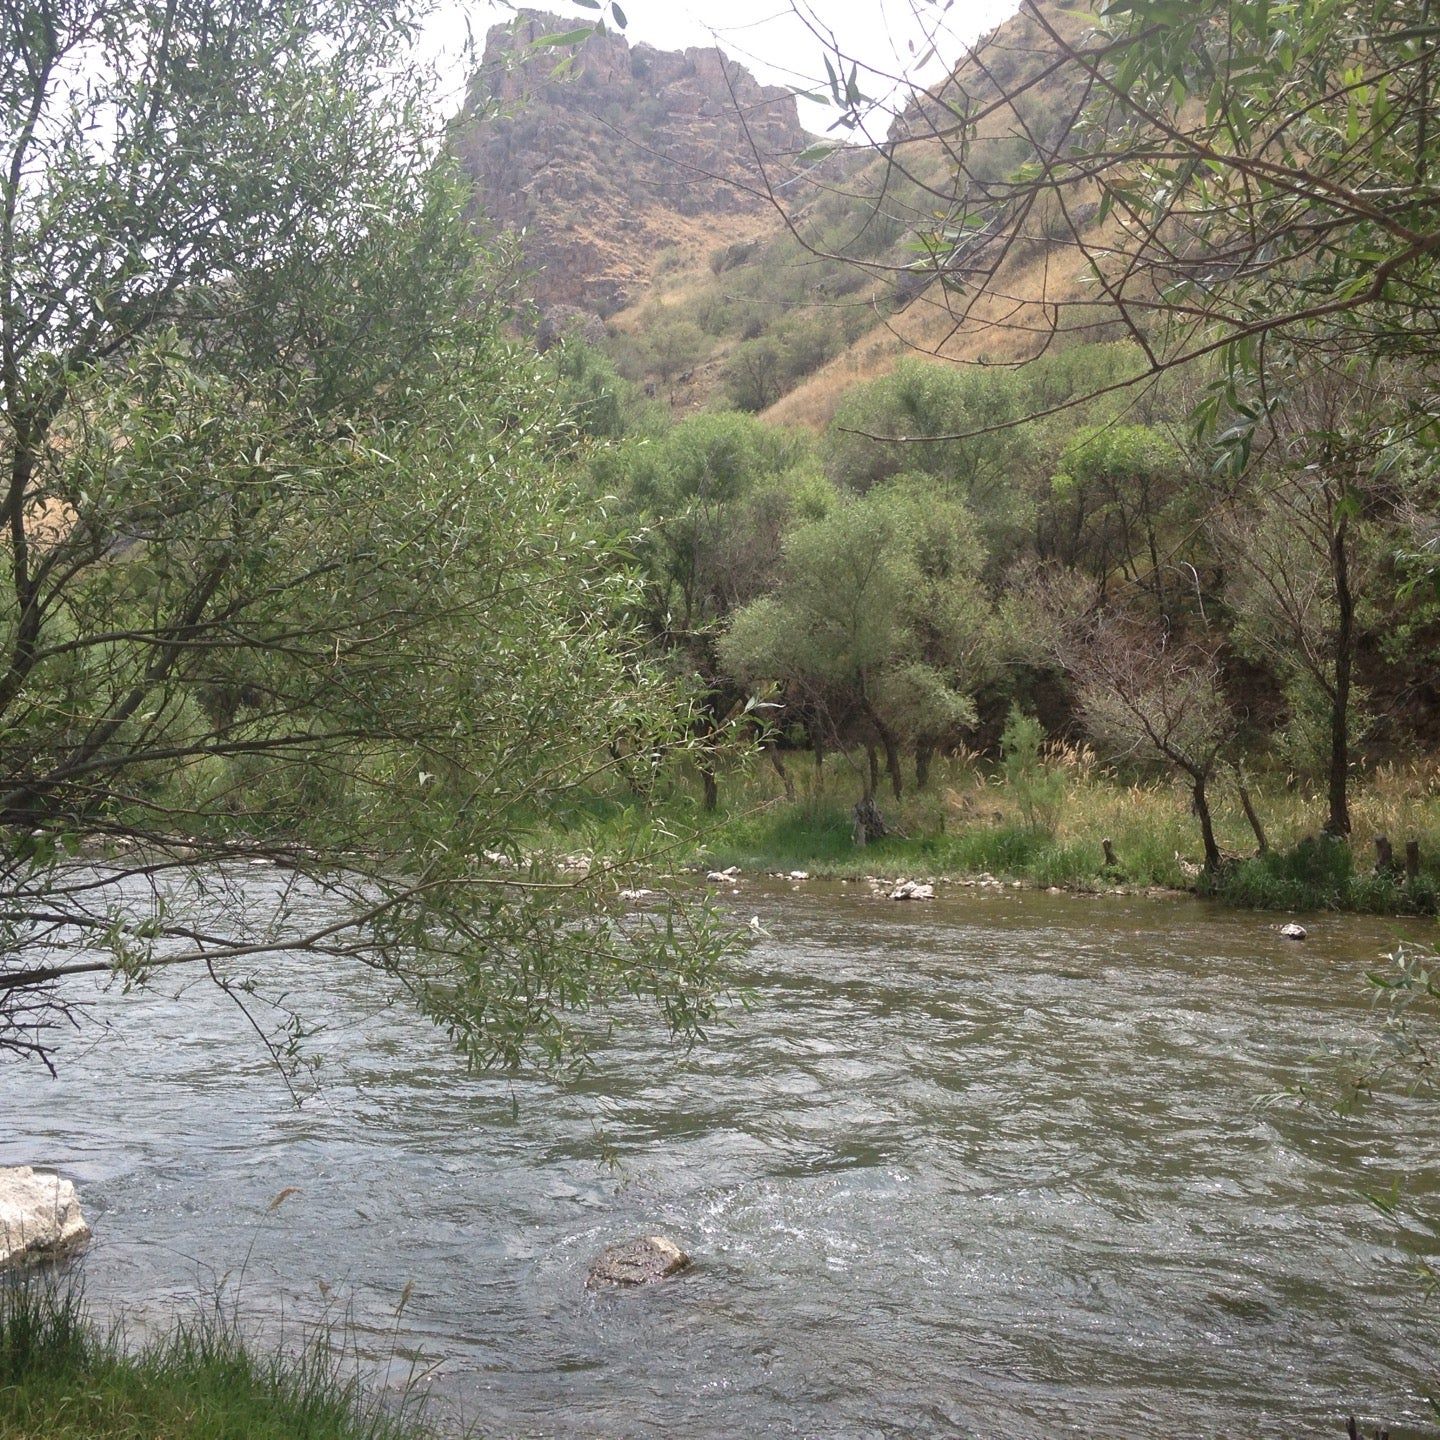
(638,1262)
(39,1216)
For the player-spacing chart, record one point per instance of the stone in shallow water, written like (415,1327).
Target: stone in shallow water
(39,1216)
(1292,931)
(912,890)
(638,1262)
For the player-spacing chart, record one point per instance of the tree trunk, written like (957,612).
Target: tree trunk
(817,747)
(1262,845)
(1162,600)
(892,750)
(924,754)
(872,769)
(1207,829)
(782,772)
(869,823)
(706,766)
(892,762)
(1338,823)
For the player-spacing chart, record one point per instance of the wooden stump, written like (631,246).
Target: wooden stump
(869,823)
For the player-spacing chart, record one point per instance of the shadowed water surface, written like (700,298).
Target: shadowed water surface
(994,1166)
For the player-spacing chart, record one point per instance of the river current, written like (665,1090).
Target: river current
(1005,1164)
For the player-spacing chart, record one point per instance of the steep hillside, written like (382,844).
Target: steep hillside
(838,294)
(617,161)
(675,199)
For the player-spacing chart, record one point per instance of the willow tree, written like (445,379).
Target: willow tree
(293,570)
(878,620)
(1149,697)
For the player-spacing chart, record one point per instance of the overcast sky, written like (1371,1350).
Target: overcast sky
(781,41)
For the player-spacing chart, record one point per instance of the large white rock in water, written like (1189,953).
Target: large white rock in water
(638,1262)
(39,1216)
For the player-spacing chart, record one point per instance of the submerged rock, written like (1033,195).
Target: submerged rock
(39,1216)
(638,1262)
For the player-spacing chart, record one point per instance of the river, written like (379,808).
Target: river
(1006,1164)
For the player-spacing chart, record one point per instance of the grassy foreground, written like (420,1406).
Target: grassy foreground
(63,1378)
(1044,829)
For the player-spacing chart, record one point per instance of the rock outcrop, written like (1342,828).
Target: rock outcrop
(638,1262)
(39,1216)
(630,150)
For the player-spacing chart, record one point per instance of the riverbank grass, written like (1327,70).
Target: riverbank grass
(1044,830)
(63,1377)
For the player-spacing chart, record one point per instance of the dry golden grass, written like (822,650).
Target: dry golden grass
(1012,324)
(1037,288)
(812,404)
(674,269)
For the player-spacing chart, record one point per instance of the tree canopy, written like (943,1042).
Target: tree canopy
(293,568)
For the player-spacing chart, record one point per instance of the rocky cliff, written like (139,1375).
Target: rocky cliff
(608,155)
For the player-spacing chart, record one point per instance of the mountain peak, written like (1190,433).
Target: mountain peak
(607,155)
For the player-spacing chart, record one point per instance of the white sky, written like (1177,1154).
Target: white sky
(782,42)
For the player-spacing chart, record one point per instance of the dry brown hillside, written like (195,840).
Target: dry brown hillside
(629,161)
(665,194)
(833,296)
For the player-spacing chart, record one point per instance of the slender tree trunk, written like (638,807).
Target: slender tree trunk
(705,761)
(1338,823)
(1261,844)
(924,754)
(1162,599)
(873,772)
(1207,828)
(892,762)
(779,767)
(892,750)
(817,748)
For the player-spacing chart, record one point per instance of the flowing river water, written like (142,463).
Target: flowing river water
(1005,1164)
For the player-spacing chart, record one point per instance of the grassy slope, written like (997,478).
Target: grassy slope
(61,1378)
(856,263)
(969,822)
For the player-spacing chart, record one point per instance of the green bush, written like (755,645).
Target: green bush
(1319,874)
(1039,789)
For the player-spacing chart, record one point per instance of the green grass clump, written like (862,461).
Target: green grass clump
(63,1378)
(1320,874)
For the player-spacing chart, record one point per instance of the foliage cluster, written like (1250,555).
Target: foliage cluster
(943,555)
(295,565)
